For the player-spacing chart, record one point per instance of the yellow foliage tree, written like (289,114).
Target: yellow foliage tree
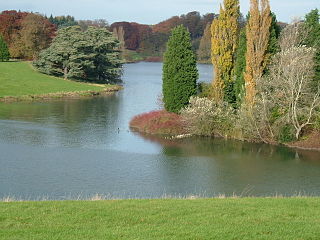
(224,42)
(258,34)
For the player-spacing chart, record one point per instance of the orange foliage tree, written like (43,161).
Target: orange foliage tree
(258,34)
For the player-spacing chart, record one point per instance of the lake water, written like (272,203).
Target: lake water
(63,149)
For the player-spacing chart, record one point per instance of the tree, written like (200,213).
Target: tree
(10,24)
(312,24)
(4,51)
(275,30)
(204,51)
(225,34)
(99,23)
(36,34)
(63,21)
(287,88)
(180,72)
(240,64)
(89,55)
(239,68)
(119,34)
(258,37)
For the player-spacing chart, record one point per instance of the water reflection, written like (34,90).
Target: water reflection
(72,123)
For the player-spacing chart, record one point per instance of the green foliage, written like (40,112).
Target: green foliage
(273,46)
(4,51)
(63,21)
(204,90)
(85,55)
(275,114)
(240,67)
(312,23)
(286,134)
(180,72)
(317,121)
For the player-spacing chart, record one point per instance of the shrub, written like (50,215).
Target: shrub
(207,118)
(204,90)
(286,134)
(158,123)
(317,122)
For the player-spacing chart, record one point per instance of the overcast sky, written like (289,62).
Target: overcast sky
(147,11)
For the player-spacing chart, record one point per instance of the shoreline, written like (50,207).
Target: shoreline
(102,198)
(145,122)
(61,95)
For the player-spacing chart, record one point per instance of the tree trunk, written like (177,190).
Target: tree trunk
(65,72)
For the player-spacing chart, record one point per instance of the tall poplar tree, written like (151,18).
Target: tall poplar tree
(225,35)
(258,37)
(240,65)
(180,72)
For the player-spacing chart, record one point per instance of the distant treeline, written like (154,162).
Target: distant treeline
(151,39)
(26,34)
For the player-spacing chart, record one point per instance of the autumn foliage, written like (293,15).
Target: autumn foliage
(258,34)
(26,33)
(225,35)
(158,122)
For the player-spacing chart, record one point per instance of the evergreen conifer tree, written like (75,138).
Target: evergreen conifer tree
(4,52)
(240,67)
(313,40)
(180,72)
(273,46)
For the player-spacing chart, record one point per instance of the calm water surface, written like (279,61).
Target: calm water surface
(81,147)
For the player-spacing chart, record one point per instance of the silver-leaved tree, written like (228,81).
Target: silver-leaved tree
(89,55)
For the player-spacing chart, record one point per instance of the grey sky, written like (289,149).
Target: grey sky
(147,11)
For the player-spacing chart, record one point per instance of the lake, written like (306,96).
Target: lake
(65,149)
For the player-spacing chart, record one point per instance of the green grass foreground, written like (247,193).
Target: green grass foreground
(234,218)
(18,79)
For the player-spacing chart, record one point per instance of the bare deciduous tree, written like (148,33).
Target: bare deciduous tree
(293,35)
(288,87)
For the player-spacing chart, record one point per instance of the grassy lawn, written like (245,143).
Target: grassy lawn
(242,218)
(19,79)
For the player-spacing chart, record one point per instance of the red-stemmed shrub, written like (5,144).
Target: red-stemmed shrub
(159,123)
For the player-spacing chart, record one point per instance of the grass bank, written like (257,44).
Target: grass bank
(242,218)
(19,81)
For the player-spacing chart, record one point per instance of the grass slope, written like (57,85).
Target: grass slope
(20,79)
(243,218)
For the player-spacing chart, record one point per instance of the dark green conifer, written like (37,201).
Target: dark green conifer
(240,67)
(180,72)
(275,30)
(313,40)
(4,51)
